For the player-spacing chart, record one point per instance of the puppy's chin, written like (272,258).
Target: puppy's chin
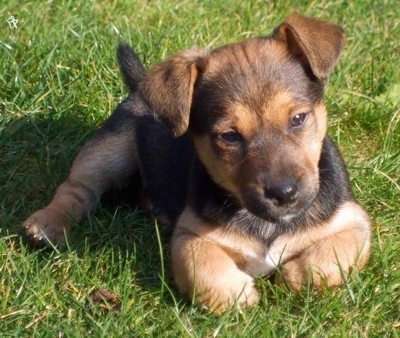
(268,210)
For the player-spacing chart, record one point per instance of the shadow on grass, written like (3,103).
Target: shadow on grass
(36,152)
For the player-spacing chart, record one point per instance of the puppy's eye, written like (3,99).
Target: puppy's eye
(231,137)
(298,120)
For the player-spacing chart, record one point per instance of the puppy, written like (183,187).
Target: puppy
(233,152)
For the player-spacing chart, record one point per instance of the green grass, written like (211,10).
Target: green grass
(59,81)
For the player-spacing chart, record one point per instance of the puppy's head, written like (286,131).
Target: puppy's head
(255,111)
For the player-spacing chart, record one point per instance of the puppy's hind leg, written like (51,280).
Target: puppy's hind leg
(106,161)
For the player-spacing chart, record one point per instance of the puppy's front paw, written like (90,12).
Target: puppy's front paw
(46,226)
(220,298)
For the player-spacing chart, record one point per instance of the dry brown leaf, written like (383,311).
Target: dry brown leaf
(105,300)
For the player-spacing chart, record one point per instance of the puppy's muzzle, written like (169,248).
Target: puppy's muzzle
(277,200)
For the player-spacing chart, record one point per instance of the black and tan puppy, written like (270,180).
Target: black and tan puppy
(232,149)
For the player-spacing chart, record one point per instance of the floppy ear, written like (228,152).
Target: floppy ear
(168,89)
(317,44)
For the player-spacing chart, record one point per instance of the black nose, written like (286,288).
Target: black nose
(283,194)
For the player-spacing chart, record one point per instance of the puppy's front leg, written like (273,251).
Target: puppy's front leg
(210,273)
(106,161)
(328,260)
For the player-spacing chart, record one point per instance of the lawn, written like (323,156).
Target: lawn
(59,81)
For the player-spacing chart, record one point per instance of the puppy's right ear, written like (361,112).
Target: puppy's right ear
(168,89)
(315,43)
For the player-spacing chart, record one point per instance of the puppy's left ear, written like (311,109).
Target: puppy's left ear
(168,89)
(316,44)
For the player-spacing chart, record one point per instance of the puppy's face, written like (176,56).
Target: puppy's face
(255,111)
(258,122)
